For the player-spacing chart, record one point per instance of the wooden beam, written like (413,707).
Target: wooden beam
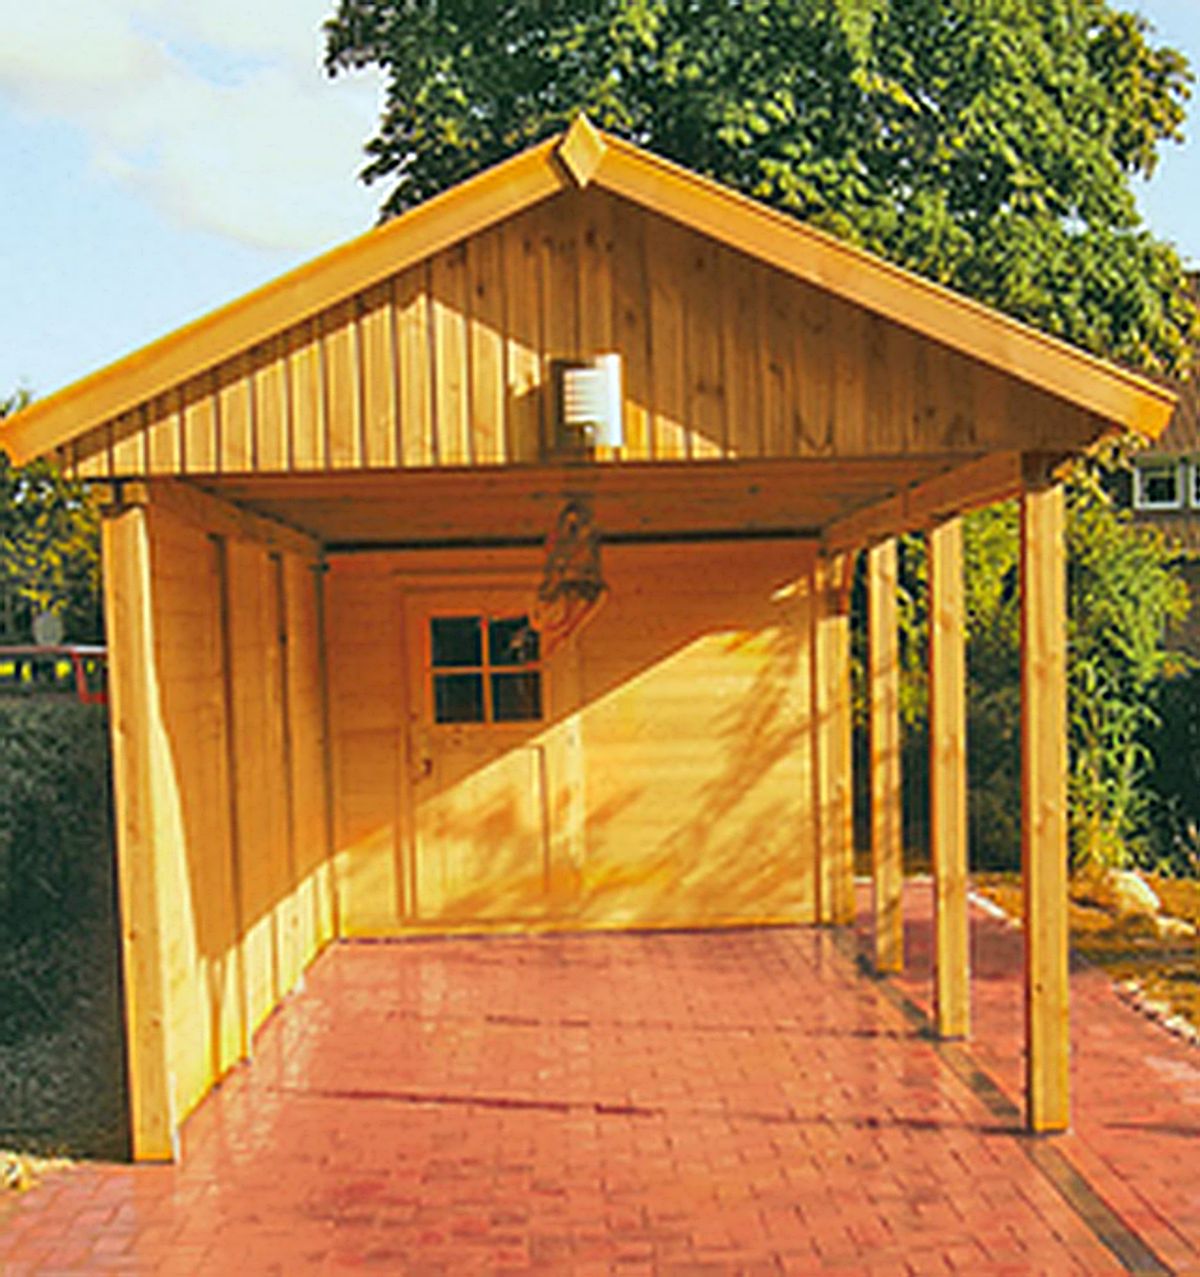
(1044,808)
(883,677)
(215,515)
(581,149)
(833,740)
(979,482)
(129,621)
(948,779)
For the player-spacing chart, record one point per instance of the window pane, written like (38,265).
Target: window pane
(517,698)
(512,641)
(1159,484)
(458,698)
(456,640)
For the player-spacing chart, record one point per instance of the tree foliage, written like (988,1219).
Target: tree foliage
(49,549)
(987,144)
(1122,595)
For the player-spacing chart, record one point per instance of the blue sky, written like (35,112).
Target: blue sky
(164,156)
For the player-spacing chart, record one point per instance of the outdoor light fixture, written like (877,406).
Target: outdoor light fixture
(588,401)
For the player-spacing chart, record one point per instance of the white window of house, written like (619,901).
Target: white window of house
(1159,484)
(1194,470)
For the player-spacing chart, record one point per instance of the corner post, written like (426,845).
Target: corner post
(1044,805)
(834,740)
(129,621)
(948,779)
(883,677)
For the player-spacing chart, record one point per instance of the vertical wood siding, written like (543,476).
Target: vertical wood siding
(447,364)
(234,793)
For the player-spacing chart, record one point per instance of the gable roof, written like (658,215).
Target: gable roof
(583,156)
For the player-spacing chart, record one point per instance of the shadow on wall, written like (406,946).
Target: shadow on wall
(672,789)
(62,1043)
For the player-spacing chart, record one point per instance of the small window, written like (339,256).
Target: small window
(485,669)
(1158,485)
(1194,469)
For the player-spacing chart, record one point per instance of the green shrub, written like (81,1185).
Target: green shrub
(62,1068)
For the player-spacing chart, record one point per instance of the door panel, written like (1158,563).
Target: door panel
(479,785)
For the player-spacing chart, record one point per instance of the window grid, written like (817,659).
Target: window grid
(487,668)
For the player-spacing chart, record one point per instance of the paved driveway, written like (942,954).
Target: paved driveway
(737,1102)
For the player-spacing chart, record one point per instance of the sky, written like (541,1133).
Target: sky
(162,157)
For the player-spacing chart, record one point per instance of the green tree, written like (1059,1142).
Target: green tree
(988,144)
(49,549)
(1122,595)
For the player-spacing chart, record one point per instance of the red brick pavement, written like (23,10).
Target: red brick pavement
(1135,1087)
(736,1102)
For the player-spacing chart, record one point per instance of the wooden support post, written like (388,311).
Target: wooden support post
(1044,808)
(129,619)
(887,863)
(948,779)
(833,740)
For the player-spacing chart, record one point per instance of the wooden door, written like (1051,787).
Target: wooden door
(478,703)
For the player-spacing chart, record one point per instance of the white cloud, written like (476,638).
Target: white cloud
(219,112)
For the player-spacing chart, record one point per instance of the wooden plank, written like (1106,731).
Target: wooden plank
(235,416)
(233,833)
(556,235)
(343,385)
(840,826)
(631,329)
(130,631)
(849,336)
(782,329)
(1044,809)
(93,455)
(410,297)
(451,358)
(331,896)
(200,426)
(487,423)
(380,382)
(741,287)
(883,685)
(165,434)
(668,348)
(821,737)
(129,444)
(292,947)
(814,361)
(523,401)
(308,431)
(707,420)
(194,505)
(596,285)
(272,407)
(948,780)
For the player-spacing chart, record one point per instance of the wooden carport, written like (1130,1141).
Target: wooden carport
(303,486)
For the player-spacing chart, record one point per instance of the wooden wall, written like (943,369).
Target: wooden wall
(221,810)
(445,364)
(676,764)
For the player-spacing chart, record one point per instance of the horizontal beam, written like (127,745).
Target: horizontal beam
(977,483)
(193,505)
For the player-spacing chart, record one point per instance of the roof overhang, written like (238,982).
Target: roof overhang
(584,156)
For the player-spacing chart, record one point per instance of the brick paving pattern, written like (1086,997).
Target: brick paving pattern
(1136,1088)
(736,1102)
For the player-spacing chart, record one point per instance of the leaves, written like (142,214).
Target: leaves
(988,144)
(49,549)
